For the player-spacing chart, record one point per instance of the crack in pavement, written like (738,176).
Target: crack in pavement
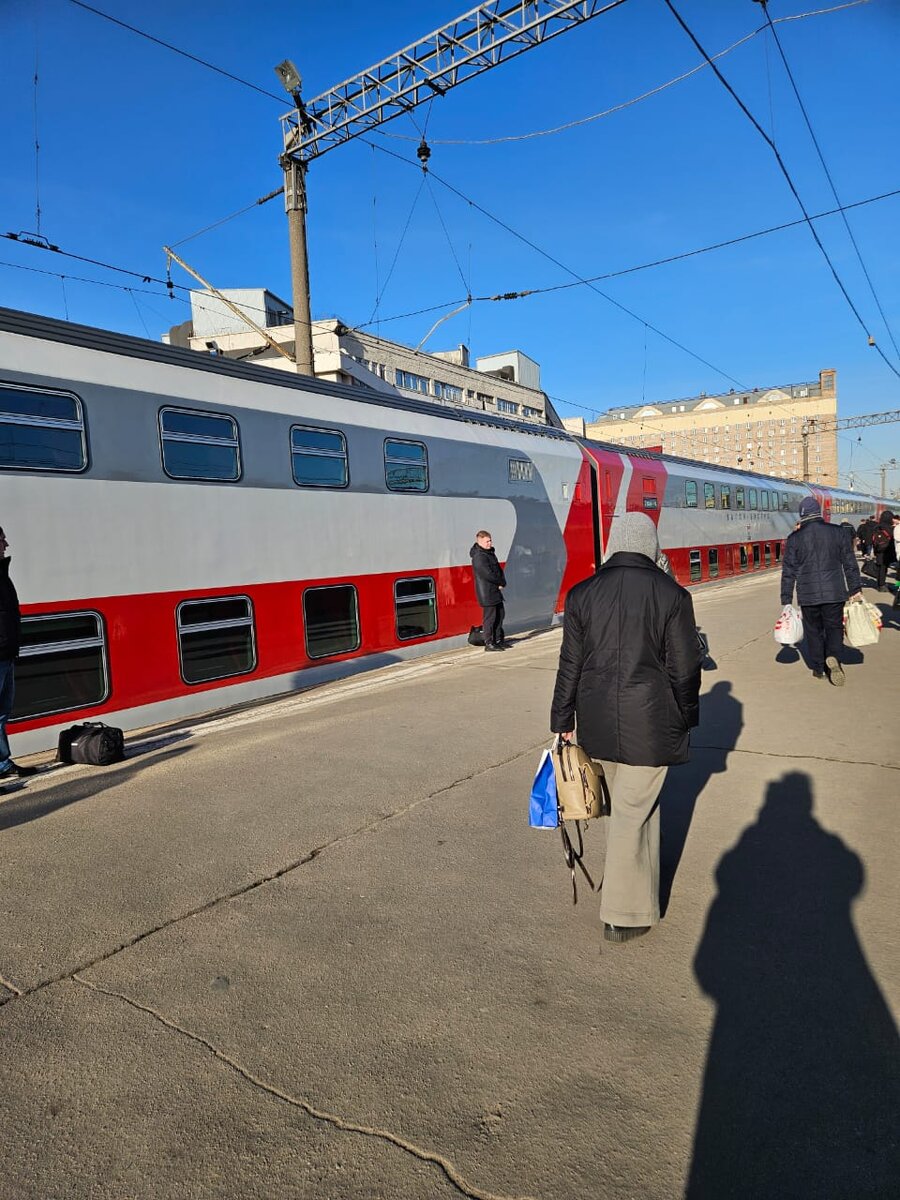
(330,1118)
(850,762)
(245,889)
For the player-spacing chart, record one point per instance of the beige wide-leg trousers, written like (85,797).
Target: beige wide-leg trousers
(630,893)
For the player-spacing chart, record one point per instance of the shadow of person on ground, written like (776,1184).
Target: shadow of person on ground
(25,805)
(721,722)
(802,1082)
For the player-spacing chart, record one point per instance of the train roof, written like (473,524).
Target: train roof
(106,341)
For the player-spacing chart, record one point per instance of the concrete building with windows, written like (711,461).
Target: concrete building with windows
(758,430)
(507,384)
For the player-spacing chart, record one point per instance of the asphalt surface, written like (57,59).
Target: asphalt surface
(312,949)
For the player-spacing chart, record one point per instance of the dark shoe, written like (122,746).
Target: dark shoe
(835,671)
(488,649)
(12,770)
(624,933)
(501,645)
(818,674)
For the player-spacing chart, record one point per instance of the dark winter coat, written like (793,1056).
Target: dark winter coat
(10,617)
(629,666)
(489,577)
(888,553)
(819,560)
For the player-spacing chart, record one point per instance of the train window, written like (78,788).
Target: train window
(415,607)
(215,638)
(319,457)
(62,664)
(713,555)
(744,560)
(778,551)
(725,493)
(650,500)
(785,501)
(405,466)
(773,501)
(696,566)
(738,497)
(756,554)
(199,445)
(709,495)
(690,494)
(41,431)
(752,498)
(764,499)
(768,551)
(331,620)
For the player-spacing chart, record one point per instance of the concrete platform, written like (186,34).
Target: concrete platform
(314,950)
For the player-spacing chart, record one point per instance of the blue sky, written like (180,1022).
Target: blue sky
(139,147)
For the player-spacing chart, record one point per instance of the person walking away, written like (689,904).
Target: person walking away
(10,634)
(883,547)
(864,533)
(818,560)
(628,682)
(489,584)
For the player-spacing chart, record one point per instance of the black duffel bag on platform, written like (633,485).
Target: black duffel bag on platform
(92,743)
(869,568)
(476,636)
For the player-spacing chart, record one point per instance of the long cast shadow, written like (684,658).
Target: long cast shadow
(801,1094)
(721,722)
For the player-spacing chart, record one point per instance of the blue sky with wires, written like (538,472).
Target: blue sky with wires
(140,147)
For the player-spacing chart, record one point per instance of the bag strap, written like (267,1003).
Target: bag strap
(574,858)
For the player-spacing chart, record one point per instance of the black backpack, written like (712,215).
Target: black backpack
(881,538)
(92,743)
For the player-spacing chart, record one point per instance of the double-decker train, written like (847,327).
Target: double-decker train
(191,532)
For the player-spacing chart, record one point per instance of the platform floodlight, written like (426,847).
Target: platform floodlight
(290,78)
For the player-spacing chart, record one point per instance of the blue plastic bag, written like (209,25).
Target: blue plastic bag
(543,812)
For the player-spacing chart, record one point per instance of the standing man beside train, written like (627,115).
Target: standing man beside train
(489,584)
(10,634)
(820,562)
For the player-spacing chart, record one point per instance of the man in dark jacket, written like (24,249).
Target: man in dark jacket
(818,559)
(883,547)
(10,634)
(489,580)
(629,678)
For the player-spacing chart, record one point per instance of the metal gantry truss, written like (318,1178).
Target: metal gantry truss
(470,45)
(833,424)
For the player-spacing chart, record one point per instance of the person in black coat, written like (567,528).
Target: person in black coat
(818,560)
(10,636)
(629,680)
(489,582)
(883,547)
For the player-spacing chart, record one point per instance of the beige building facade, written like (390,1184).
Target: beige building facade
(507,384)
(759,430)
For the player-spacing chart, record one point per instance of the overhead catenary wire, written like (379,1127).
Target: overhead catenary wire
(828,176)
(781,165)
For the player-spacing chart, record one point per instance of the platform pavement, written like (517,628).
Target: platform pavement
(296,951)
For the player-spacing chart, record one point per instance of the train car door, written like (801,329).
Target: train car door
(729,560)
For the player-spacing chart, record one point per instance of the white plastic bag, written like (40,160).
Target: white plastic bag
(860,626)
(789,626)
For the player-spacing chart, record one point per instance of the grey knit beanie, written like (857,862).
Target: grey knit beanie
(634,533)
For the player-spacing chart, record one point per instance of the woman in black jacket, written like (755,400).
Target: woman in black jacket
(629,678)
(883,547)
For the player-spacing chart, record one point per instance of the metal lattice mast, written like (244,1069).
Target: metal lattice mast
(833,424)
(481,39)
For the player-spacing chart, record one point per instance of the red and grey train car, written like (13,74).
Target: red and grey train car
(191,532)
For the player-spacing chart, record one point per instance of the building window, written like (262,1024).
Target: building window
(726,495)
(690,494)
(506,406)
(415,607)
(411,382)
(62,664)
(709,495)
(41,431)
(199,445)
(216,638)
(753,502)
(713,556)
(405,466)
(331,620)
(447,391)
(319,457)
(483,399)
(696,566)
(521,470)
(531,412)
(650,499)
